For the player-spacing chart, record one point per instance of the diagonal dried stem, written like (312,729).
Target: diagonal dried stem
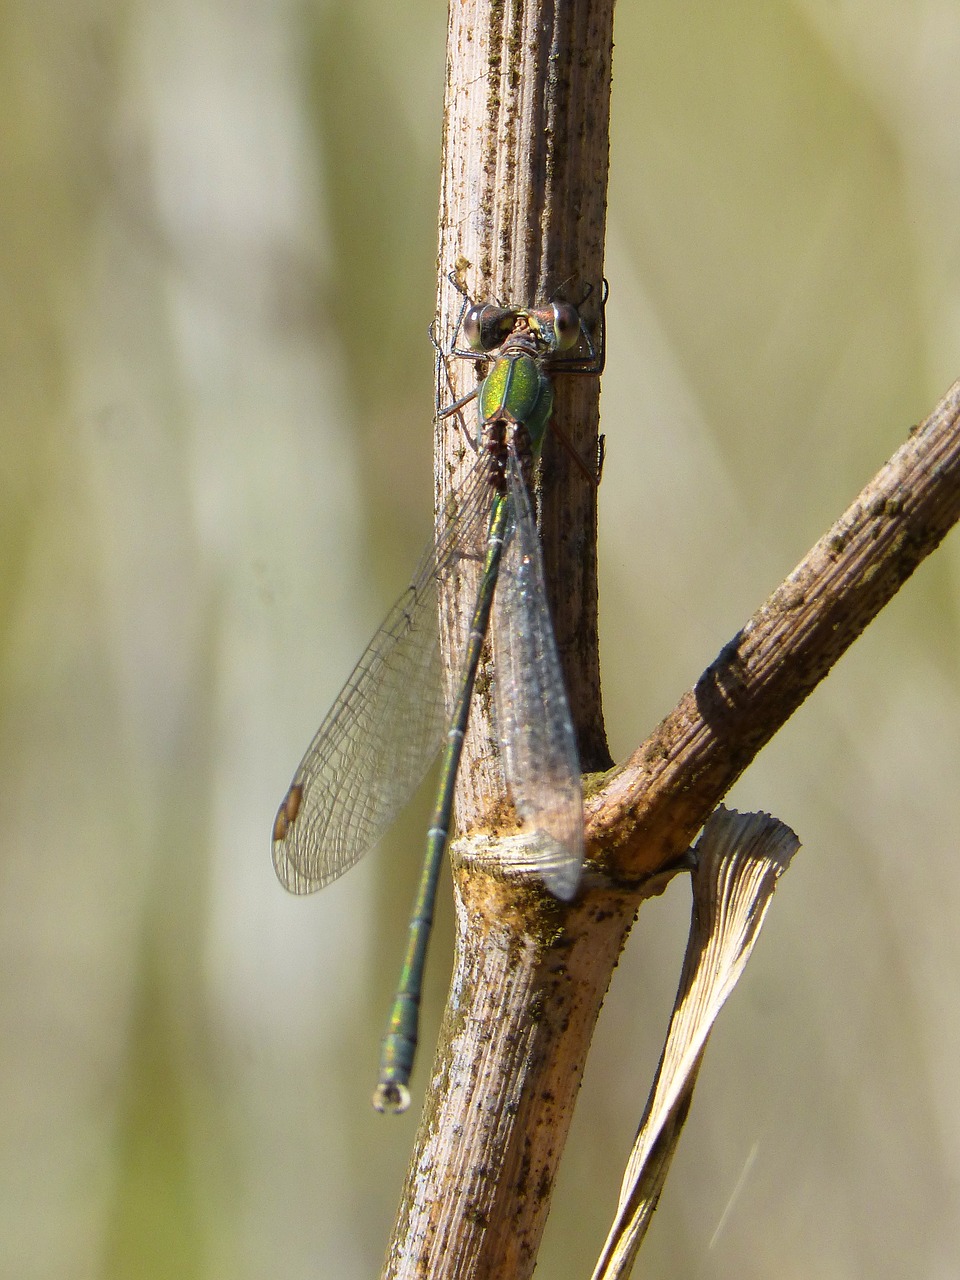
(651,806)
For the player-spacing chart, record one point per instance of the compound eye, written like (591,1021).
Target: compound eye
(566,325)
(558,324)
(485,326)
(472,326)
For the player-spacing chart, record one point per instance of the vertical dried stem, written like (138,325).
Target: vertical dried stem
(523,202)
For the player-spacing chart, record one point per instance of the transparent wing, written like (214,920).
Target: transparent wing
(537,740)
(380,736)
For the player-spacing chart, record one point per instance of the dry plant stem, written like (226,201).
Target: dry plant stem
(649,808)
(530,975)
(523,205)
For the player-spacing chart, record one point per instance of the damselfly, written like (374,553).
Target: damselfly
(387,724)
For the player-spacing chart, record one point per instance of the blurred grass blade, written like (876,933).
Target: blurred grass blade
(740,857)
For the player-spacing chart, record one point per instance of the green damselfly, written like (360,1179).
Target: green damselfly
(386,726)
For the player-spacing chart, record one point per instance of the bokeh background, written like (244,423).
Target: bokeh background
(217,244)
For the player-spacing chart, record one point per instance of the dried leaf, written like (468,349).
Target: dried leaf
(739,859)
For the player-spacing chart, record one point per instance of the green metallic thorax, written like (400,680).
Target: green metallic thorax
(516,390)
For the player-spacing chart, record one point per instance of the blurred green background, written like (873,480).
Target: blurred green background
(218,262)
